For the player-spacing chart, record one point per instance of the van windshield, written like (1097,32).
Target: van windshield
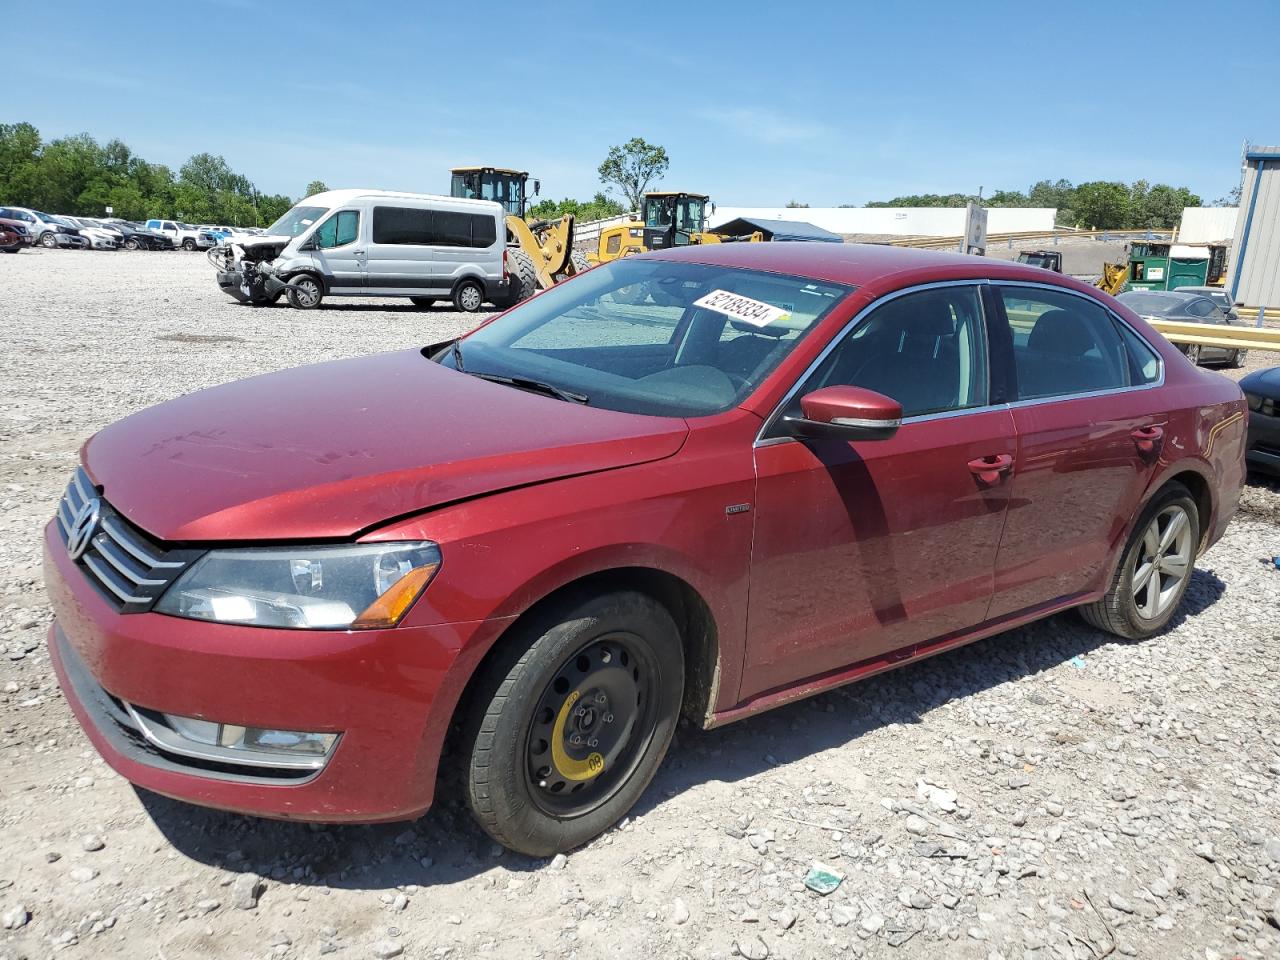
(296,221)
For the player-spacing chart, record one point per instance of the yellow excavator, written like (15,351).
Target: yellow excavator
(667,219)
(539,252)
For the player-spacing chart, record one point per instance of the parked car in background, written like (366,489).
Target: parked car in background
(182,234)
(99,238)
(20,228)
(45,229)
(10,239)
(1221,298)
(138,237)
(703,481)
(1183,307)
(1262,394)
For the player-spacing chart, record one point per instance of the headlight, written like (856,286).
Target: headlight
(310,588)
(1253,400)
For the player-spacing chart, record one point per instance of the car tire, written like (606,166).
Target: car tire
(468,296)
(1140,601)
(1238,358)
(423,303)
(188,245)
(48,241)
(305,292)
(1193,353)
(131,243)
(602,677)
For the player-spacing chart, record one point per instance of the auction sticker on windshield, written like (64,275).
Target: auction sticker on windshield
(741,308)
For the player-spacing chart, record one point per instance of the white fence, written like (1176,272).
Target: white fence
(897,221)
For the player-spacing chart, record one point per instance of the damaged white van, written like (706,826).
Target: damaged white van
(373,243)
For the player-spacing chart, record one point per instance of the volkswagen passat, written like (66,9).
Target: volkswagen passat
(707,481)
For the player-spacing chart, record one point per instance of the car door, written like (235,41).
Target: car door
(864,549)
(338,251)
(1089,430)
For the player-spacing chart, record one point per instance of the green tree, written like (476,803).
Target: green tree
(632,167)
(1161,206)
(926,200)
(271,207)
(314,187)
(599,207)
(796,205)
(1006,198)
(1103,205)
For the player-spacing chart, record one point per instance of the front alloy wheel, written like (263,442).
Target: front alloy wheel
(574,716)
(1193,353)
(48,240)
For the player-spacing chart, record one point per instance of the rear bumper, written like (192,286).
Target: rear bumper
(377,689)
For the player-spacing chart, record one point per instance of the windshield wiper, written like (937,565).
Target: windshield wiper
(455,351)
(536,386)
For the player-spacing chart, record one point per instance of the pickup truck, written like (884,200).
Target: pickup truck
(183,235)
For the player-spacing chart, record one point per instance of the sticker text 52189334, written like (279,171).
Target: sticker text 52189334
(741,308)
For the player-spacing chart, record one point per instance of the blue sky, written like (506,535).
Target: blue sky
(757,103)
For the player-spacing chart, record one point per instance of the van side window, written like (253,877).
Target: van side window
(452,229)
(402,225)
(444,228)
(338,230)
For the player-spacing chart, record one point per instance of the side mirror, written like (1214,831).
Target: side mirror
(308,244)
(846,413)
(537,187)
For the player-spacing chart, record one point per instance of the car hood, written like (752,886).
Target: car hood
(1265,382)
(327,451)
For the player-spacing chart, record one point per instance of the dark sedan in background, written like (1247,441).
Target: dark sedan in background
(1183,307)
(14,235)
(1262,392)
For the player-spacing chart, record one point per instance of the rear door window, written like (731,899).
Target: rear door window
(1063,344)
(402,225)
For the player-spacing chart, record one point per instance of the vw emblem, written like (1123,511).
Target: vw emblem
(83,527)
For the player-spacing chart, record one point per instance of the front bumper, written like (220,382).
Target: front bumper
(100,244)
(1262,448)
(375,688)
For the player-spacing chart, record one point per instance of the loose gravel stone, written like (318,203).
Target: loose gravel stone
(246,890)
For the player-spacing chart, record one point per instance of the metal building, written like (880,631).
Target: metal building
(1254,278)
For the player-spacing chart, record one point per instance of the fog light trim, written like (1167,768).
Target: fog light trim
(234,745)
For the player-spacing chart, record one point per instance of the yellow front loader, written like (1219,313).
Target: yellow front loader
(667,219)
(539,252)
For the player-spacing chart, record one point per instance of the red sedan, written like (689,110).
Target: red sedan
(707,482)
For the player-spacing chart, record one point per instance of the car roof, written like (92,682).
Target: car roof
(859,264)
(337,198)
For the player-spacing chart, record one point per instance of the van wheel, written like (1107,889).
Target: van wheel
(1155,569)
(468,297)
(571,725)
(423,302)
(305,292)
(188,244)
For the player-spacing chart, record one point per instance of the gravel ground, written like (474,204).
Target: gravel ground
(1048,793)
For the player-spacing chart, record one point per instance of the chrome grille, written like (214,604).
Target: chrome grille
(128,567)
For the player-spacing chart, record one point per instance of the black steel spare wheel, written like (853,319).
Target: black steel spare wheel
(575,714)
(591,724)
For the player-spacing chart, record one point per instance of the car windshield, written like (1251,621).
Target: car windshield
(1151,302)
(653,337)
(296,221)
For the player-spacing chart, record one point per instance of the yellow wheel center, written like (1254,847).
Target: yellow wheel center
(567,766)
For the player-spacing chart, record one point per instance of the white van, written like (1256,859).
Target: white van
(373,243)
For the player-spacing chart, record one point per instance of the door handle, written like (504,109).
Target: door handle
(992,469)
(1148,439)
